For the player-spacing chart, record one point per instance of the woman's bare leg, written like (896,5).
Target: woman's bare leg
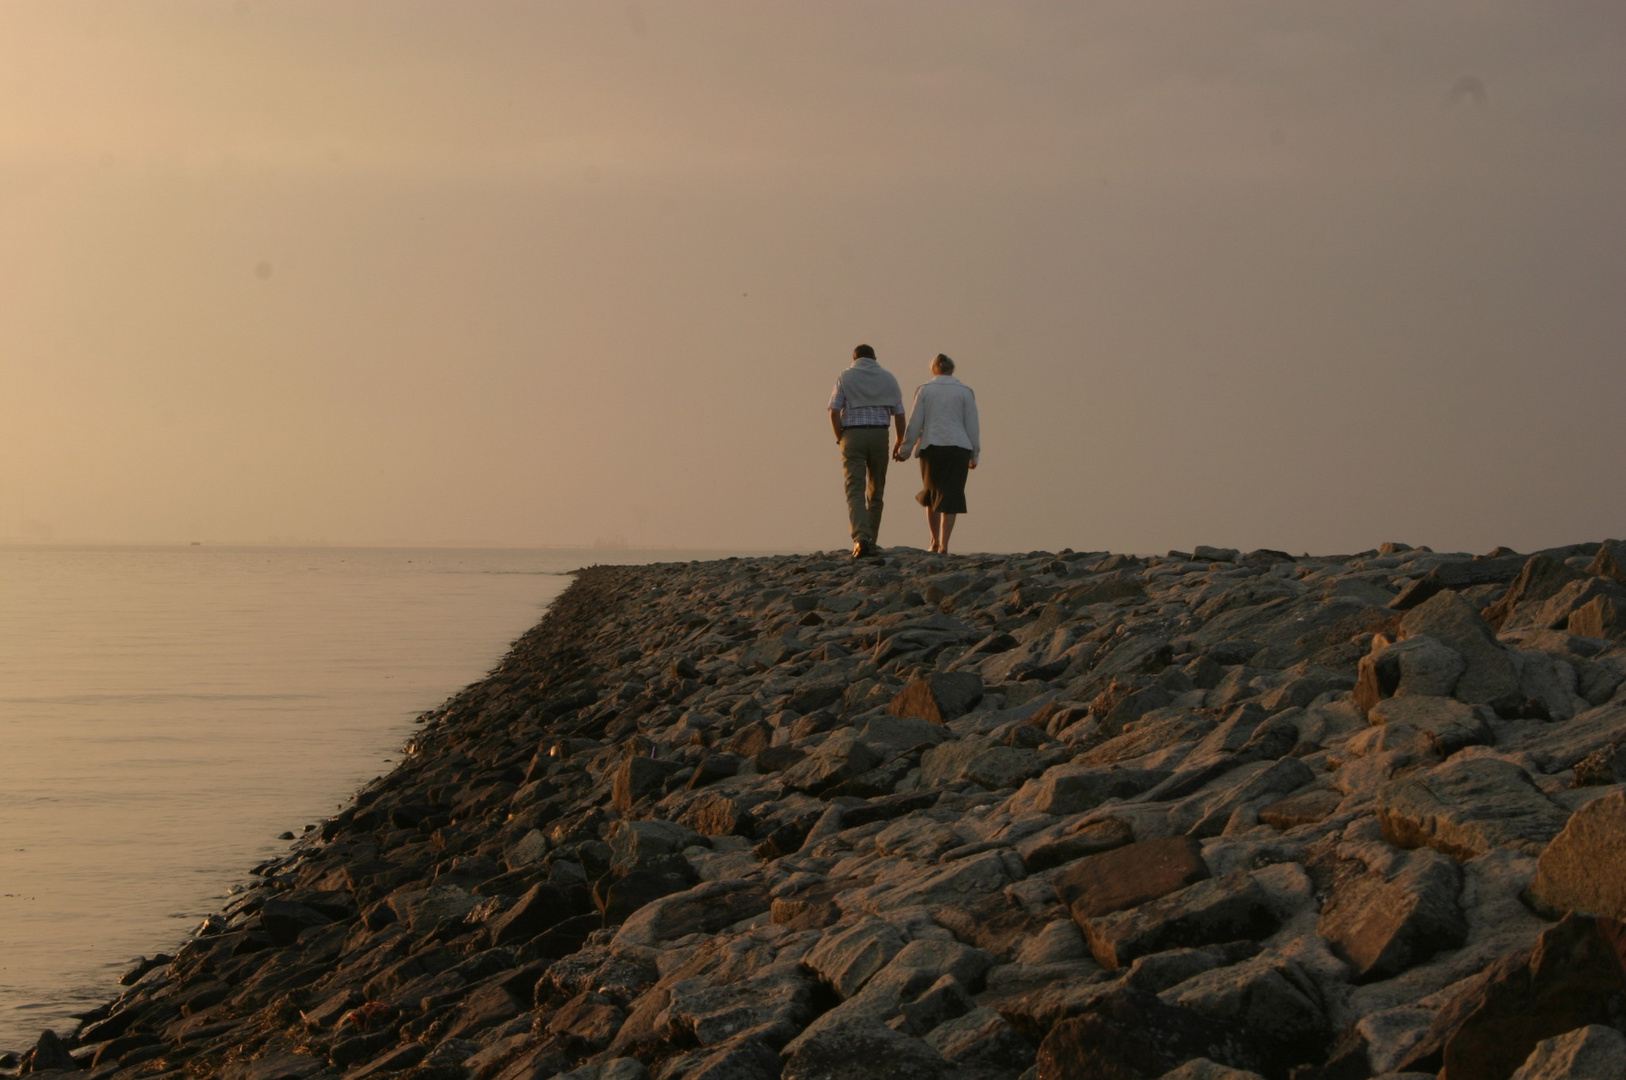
(934,522)
(948,527)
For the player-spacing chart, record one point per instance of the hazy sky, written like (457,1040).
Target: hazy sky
(1298,275)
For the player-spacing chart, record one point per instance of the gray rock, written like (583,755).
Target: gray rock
(980,760)
(1232,908)
(861,1050)
(706,908)
(1466,808)
(1266,993)
(981,1039)
(1594,1052)
(934,958)
(847,957)
(424,909)
(639,777)
(710,1014)
(1203,1069)
(902,732)
(741,1059)
(1562,746)
(941,1001)
(1419,665)
(1489,676)
(1157,972)
(528,851)
(840,757)
(1447,725)
(1206,813)
(634,843)
(1073,789)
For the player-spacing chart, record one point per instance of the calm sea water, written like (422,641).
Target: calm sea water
(165,713)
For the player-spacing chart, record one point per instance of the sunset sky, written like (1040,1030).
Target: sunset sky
(1302,276)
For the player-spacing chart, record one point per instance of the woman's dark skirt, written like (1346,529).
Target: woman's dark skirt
(942,472)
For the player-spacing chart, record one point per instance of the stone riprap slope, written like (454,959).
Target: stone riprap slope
(984,817)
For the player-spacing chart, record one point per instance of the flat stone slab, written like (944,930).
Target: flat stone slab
(1466,808)
(1447,725)
(1128,876)
(1232,908)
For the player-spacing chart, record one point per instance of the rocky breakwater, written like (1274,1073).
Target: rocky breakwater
(1207,815)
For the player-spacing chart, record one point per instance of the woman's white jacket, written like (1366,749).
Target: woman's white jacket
(944,414)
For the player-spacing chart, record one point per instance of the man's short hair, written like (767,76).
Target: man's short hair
(865,352)
(943,364)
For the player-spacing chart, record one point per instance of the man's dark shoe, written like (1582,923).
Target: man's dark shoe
(863,549)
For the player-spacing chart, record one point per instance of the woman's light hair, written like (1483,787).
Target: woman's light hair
(943,364)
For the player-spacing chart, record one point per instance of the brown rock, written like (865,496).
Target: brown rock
(1600,617)
(1130,875)
(1571,978)
(637,777)
(587,1022)
(1382,927)
(715,814)
(752,739)
(1466,808)
(1131,1035)
(938,697)
(542,908)
(1610,561)
(996,924)
(1584,868)
(1604,766)
(1232,908)
(1045,850)
(1305,808)
(1601,598)
(1540,578)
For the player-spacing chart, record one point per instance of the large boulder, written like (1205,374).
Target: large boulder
(1127,876)
(1491,1024)
(1584,868)
(1073,789)
(1269,994)
(1444,724)
(1594,1052)
(1384,925)
(862,1049)
(639,777)
(1467,808)
(1489,676)
(1541,577)
(1610,561)
(1131,1035)
(847,957)
(840,757)
(1233,908)
(705,908)
(1418,665)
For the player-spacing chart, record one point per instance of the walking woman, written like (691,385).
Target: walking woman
(943,423)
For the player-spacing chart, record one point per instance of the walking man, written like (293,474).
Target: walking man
(865,401)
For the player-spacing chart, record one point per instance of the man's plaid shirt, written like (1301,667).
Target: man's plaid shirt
(862,415)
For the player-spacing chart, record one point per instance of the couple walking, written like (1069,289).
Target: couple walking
(942,432)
